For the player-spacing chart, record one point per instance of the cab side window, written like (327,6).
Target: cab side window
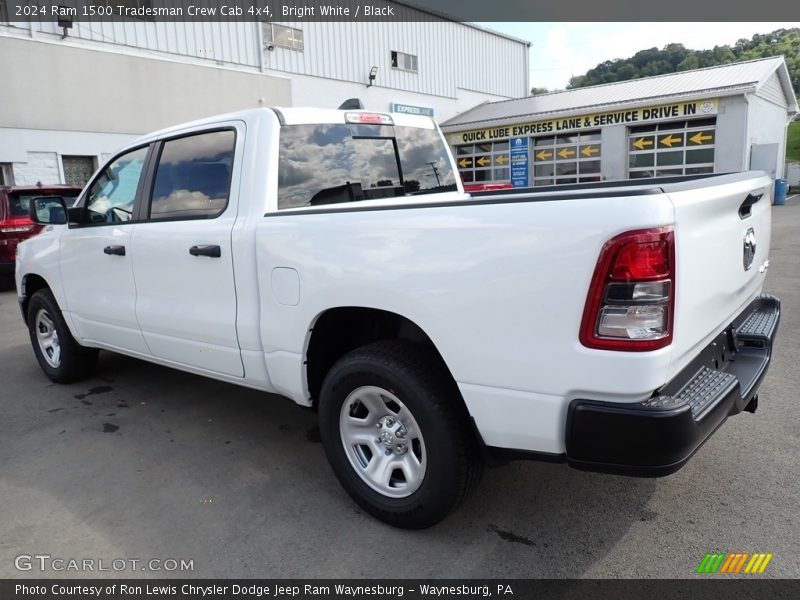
(193,177)
(111,197)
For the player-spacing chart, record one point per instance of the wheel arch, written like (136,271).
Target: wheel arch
(338,330)
(31,283)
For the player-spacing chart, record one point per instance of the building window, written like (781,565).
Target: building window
(406,62)
(285,37)
(480,163)
(77,169)
(682,148)
(567,158)
(6,174)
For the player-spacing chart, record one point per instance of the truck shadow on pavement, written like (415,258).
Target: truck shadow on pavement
(145,461)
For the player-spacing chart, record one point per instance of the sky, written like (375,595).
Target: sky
(561,50)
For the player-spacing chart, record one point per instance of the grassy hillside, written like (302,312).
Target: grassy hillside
(676,57)
(793,142)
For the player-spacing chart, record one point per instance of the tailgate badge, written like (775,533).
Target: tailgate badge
(749,248)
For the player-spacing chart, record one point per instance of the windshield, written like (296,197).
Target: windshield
(18,203)
(333,163)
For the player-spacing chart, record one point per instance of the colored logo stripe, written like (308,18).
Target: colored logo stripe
(734,563)
(711,562)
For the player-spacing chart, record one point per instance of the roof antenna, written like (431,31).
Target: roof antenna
(351,103)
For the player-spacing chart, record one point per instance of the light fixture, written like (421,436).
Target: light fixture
(373,72)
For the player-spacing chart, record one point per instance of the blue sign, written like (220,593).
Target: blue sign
(519,162)
(408,109)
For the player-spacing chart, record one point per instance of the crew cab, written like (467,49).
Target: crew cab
(332,257)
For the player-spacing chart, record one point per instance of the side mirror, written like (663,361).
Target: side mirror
(48,210)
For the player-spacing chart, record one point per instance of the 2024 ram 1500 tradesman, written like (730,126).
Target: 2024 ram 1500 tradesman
(332,257)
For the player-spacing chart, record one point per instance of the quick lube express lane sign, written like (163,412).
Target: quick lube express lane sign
(632,117)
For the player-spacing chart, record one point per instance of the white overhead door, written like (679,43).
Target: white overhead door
(674,148)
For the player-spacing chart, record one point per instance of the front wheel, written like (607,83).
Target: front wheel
(61,358)
(397,434)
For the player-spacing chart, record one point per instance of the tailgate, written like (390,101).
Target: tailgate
(717,223)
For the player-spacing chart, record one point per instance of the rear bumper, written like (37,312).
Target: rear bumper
(6,268)
(657,436)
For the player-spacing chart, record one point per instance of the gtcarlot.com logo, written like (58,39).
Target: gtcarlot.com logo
(46,562)
(732,563)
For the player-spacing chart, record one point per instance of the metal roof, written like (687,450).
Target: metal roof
(740,77)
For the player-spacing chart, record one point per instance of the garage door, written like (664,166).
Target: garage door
(676,148)
(484,163)
(569,158)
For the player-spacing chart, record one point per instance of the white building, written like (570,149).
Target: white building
(71,97)
(716,120)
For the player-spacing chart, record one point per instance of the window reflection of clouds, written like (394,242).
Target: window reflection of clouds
(193,176)
(417,148)
(318,157)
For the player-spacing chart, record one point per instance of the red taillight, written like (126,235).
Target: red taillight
(642,260)
(631,298)
(21,225)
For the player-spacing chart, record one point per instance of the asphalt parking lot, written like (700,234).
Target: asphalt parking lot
(144,462)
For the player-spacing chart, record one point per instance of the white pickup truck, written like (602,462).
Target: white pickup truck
(331,256)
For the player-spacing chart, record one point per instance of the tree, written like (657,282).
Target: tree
(537,91)
(676,57)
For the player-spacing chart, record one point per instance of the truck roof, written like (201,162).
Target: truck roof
(288,116)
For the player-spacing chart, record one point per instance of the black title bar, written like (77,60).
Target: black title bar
(64,11)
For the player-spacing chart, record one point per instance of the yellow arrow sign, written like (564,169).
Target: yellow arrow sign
(589,150)
(670,139)
(699,138)
(543,155)
(641,143)
(566,153)
(484,160)
(501,160)
(464,163)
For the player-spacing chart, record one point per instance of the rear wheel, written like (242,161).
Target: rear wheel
(397,434)
(61,358)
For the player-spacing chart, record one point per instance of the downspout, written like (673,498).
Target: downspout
(260,36)
(791,115)
(746,144)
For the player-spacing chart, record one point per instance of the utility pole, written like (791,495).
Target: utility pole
(435,172)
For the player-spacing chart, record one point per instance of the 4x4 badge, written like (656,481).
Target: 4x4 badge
(749,248)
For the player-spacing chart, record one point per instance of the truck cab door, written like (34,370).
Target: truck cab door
(182,262)
(95,256)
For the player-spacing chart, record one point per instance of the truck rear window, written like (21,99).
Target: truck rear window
(333,163)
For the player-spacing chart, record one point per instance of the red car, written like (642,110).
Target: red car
(15,224)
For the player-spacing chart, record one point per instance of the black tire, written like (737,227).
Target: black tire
(416,376)
(75,361)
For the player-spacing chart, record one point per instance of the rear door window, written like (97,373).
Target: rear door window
(193,177)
